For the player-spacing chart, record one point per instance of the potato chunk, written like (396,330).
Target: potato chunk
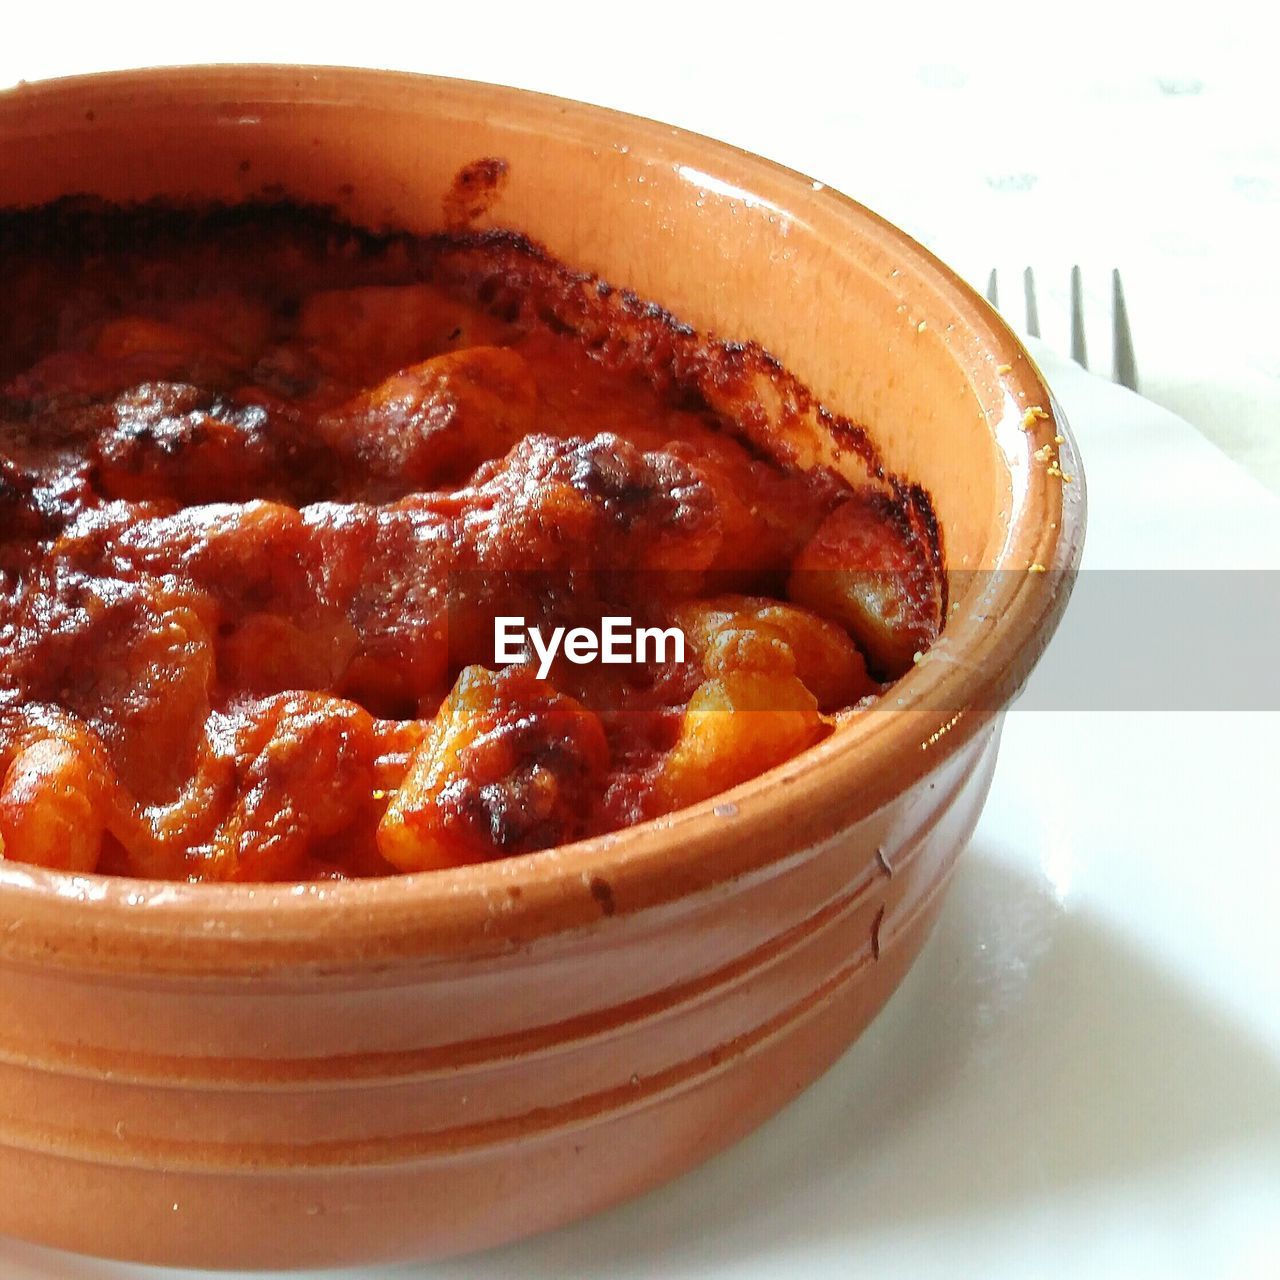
(736,726)
(735,633)
(173,440)
(52,807)
(132,660)
(439,419)
(310,779)
(508,766)
(275,778)
(865,569)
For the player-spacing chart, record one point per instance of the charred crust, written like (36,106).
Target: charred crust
(502,270)
(475,188)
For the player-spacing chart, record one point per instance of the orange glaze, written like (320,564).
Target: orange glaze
(261,498)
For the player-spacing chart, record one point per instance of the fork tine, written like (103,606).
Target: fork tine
(993,289)
(1033,314)
(1078,352)
(1124,368)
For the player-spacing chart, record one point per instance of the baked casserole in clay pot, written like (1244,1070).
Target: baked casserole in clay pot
(288,1063)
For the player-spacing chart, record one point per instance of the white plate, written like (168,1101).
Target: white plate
(1081,1075)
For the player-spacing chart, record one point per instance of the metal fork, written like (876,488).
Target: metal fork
(1124,368)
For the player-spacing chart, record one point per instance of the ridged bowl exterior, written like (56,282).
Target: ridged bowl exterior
(271,1076)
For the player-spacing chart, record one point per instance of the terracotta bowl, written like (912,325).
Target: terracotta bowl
(303,1075)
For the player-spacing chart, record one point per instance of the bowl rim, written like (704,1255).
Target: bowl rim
(975,669)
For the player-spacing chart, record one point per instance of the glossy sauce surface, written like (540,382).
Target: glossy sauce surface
(265,485)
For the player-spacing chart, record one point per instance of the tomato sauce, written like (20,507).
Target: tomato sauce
(266,481)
